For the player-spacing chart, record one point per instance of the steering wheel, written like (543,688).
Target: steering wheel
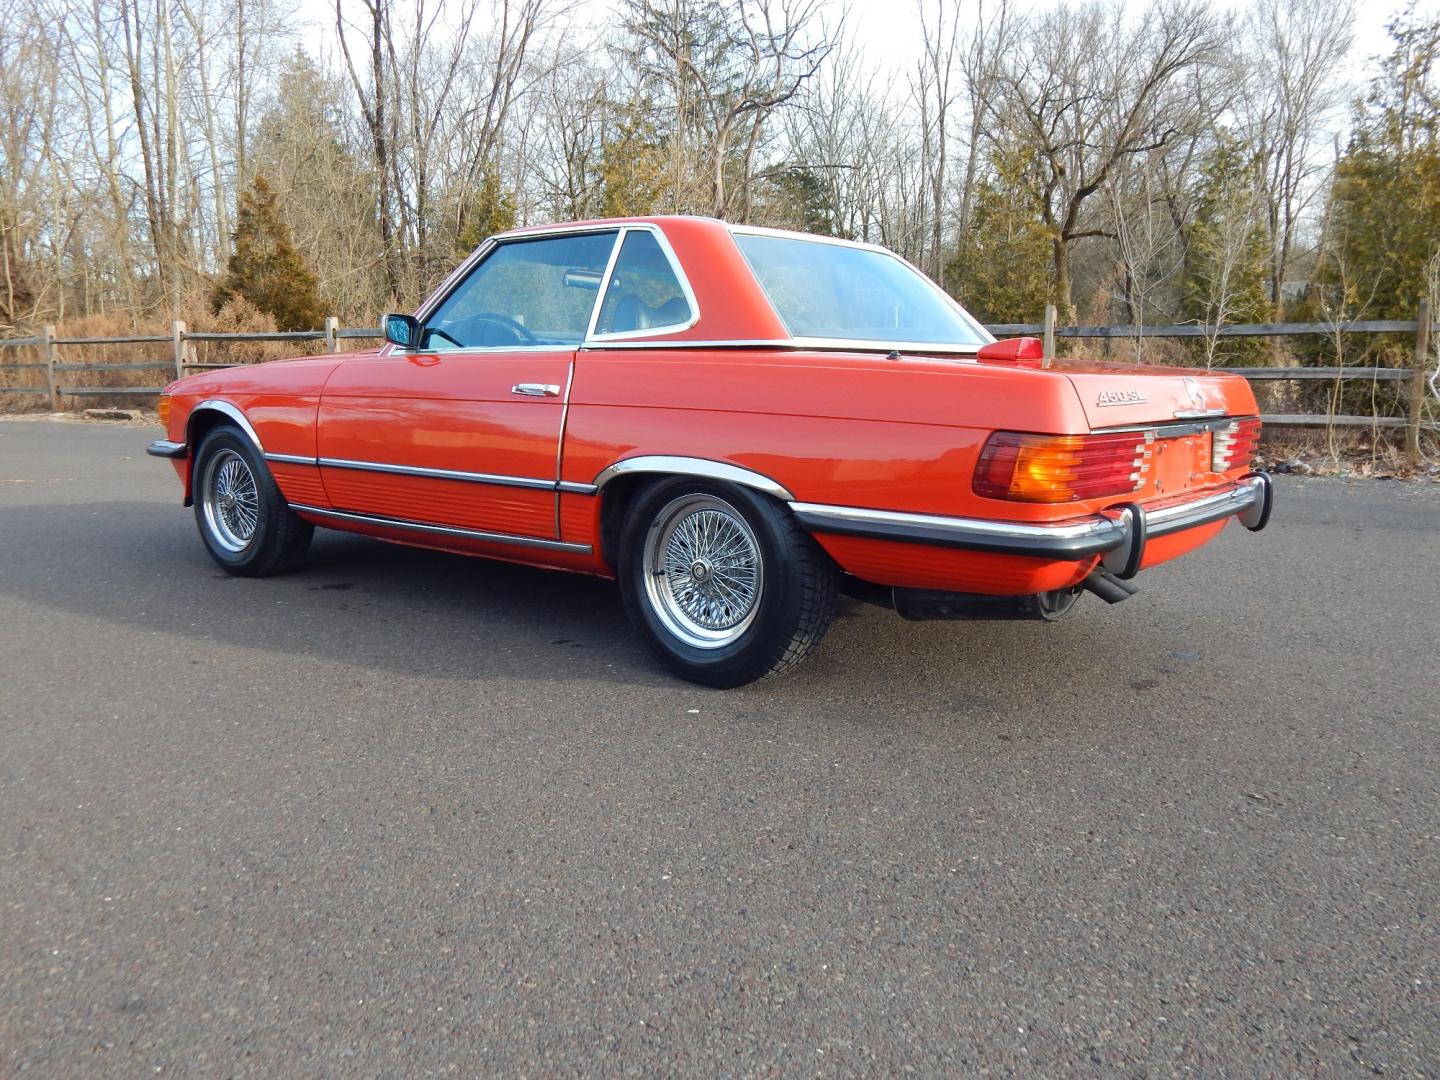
(521,335)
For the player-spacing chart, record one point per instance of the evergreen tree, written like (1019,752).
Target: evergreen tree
(265,268)
(1001,272)
(632,165)
(491,211)
(1226,257)
(1384,219)
(1384,215)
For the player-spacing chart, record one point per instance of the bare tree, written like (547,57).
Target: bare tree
(1089,87)
(728,68)
(932,88)
(1291,94)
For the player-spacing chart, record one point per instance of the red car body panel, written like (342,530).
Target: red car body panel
(831,426)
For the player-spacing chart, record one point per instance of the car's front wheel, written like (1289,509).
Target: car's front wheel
(722,583)
(247,526)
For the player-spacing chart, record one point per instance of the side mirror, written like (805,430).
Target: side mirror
(1017,348)
(402,330)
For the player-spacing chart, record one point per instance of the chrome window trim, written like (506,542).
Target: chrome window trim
(986,337)
(912,349)
(604,286)
(458,276)
(692,466)
(443,530)
(679,271)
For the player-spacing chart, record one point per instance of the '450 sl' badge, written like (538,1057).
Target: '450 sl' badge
(1120,397)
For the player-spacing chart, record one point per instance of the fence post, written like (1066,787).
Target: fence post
(332,325)
(177,342)
(1049,334)
(1417,384)
(47,349)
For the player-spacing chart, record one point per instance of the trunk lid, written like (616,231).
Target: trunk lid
(1181,410)
(1123,396)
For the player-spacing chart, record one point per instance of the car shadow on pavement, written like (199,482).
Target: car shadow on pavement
(417,612)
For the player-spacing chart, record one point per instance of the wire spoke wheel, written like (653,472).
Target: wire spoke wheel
(231,500)
(703,571)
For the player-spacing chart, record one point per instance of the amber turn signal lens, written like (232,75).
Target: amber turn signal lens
(162,409)
(1060,468)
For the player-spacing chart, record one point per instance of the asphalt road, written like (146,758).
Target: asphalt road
(404,812)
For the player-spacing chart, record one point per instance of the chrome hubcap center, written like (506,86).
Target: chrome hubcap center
(699,570)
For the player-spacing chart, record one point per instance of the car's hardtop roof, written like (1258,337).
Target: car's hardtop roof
(733,308)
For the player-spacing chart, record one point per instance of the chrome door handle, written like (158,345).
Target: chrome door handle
(535,389)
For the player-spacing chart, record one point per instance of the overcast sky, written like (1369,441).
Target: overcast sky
(889,30)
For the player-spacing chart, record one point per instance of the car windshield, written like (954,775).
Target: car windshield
(824,290)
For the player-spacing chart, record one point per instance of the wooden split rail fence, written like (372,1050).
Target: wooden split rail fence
(56,371)
(56,387)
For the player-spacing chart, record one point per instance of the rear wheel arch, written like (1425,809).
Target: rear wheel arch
(619,484)
(792,581)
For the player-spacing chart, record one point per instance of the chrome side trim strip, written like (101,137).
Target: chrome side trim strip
(292,459)
(570,487)
(230,411)
(1072,540)
(166,449)
(690,466)
(438,474)
(442,530)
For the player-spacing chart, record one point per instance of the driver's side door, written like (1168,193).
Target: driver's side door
(464,431)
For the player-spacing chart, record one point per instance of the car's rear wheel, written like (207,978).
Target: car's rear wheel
(244,520)
(721,582)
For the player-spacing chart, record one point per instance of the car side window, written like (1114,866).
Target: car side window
(524,293)
(644,293)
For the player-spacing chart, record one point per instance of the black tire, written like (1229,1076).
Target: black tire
(255,534)
(764,622)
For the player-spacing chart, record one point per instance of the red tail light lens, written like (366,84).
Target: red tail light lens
(1061,468)
(1234,445)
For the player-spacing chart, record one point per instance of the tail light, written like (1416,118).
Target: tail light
(1235,444)
(1062,468)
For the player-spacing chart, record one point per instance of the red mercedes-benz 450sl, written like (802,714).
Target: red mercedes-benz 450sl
(736,423)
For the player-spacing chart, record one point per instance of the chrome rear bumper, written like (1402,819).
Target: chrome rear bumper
(1119,534)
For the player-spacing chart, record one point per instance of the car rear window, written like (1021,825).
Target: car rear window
(824,290)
